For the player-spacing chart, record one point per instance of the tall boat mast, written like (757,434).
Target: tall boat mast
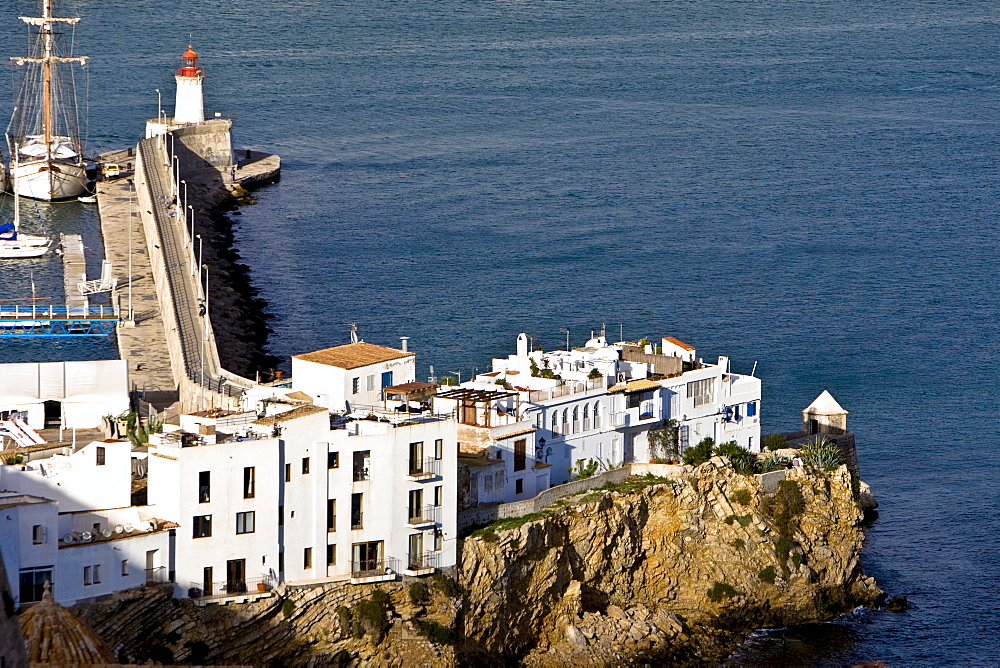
(50,151)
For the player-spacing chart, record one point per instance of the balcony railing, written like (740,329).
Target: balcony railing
(158,574)
(423,516)
(362,472)
(567,389)
(366,568)
(225,588)
(428,467)
(422,560)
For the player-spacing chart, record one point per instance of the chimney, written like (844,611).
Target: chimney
(405,344)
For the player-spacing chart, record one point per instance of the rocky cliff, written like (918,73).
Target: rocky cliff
(649,570)
(677,571)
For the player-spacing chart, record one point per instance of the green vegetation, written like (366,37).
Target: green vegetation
(820,454)
(741,496)
(500,381)
(774,442)
(774,462)
(743,461)
(720,591)
(433,631)
(287,607)
(768,575)
(12,458)
(739,543)
(370,615)
(419,594)
(782,508)
(701,453)
(595,374)
(444,584)
(743,520)
(664,441)
(584,470)
(448,380)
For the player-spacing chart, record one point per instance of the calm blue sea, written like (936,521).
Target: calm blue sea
(811,186)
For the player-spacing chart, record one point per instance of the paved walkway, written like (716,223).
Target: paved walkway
(145,345)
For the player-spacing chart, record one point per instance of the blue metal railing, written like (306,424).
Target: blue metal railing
(57,320)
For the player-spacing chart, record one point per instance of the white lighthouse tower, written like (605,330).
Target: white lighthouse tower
(189,106)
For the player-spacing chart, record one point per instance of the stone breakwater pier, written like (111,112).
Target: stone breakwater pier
(156,222)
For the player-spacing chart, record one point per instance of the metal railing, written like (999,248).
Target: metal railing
(225,588)
(567,389)
(428,466)
(58,312)
(421,560)
(425,515)
(158,574)
(362,472)
(362,568)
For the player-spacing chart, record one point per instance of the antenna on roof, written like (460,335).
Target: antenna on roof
(354,332)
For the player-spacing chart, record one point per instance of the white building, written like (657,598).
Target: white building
(352,377)
(598,403)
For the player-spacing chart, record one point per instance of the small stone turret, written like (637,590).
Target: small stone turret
(824,416)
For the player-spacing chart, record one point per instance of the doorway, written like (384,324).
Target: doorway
(236,576)
(53,413)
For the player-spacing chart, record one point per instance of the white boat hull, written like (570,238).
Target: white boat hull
(13,250)
(49,180)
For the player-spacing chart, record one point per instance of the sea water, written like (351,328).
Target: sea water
(806,186)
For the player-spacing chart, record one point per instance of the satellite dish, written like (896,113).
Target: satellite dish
(106,533)
(128,527)
(69,538)
(87,535)
(119,528)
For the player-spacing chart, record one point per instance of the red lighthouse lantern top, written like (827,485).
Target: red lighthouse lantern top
(190,67)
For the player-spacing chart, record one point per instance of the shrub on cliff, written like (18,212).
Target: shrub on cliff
(820,454)
(419,595)
(701,453)
(370,614)
(774,442)
(433,631)
(720,591)
(768,574)
(741,496)
(743,461)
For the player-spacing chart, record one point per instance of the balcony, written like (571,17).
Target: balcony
(365,571)
(362,473)
(423,518)
(427,468)
(158,574)
(422,563)
(569,388)
(249,590)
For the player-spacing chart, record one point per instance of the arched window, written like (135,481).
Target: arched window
(565,421)
(586,417)
(554,423)
(576,419)
(597,415)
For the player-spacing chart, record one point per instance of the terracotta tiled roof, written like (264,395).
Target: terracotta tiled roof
(54,635)
(641,385)
(353,355)
(298,396)
(678,342)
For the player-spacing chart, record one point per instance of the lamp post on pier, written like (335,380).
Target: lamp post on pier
(159,115)
(204,337)
(566,332)
(185,212)
(131,223)
(192,240)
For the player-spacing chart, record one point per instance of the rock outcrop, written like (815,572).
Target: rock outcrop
(674,571)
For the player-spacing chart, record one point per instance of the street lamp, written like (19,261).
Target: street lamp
(175,173)
(185,212)
(193,236)
(204,336)
(159,113)
(459,374)
(566,332)
(131,224)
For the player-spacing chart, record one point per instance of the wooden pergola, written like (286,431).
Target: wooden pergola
(469,399)
(414,391)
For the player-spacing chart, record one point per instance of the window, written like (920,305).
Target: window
(702,391)
(249,482)
(245,522)
(124,568)
(281,516)
(101,456)
(416,458)
(586,417)
(88,577)
(362,462)
(37,534)
(576,419)
(597,415)
(416,505)
(357,519)
(519,486)
(367,557)
(307,558)
(438,495)
(305,466)
(752,409)
(438,448)
(97,574)
(565,422)
(32,583)
(331,514)
(386,379)
(202,526)
(520,453)
(288,472)
(555,423)
(371,383)
(355,385)
(333,460)
(331,555)
(438,539)
(204,487)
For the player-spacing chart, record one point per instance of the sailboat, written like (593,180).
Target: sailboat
(13,244)
(45,124)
